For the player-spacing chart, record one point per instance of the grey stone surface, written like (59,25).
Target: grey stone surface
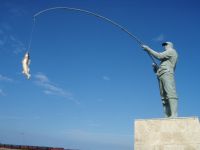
(167,134)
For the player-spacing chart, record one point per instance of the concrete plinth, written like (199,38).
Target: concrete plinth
(167,134)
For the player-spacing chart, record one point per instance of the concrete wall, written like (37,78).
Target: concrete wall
(167,134)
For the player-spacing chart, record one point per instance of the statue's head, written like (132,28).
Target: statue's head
(167,45)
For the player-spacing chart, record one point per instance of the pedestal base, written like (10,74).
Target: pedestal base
(167,134)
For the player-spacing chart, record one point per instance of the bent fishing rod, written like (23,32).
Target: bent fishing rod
(98,16)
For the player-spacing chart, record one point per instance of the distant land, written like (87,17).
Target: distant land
(27,147)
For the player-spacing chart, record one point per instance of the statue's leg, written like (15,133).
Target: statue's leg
(173,107)
(166,108)
(170,90)
(165,101)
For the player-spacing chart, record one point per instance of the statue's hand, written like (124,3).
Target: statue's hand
(145,47)
(155,67)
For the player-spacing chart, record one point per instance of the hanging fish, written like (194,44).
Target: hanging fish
(25,65)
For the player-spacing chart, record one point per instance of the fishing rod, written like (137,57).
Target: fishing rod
(98,16)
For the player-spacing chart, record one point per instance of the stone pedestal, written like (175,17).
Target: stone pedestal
(167,134)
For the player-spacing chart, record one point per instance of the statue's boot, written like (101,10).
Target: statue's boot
(173,107)
(166,108)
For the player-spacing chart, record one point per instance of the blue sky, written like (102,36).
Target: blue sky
(90,80)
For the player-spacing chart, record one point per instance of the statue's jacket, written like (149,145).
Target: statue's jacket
(168,60)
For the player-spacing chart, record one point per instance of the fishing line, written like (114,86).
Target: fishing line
(31,35)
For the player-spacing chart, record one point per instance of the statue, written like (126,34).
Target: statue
(165,74)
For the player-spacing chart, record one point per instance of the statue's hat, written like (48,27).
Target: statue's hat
(167,43)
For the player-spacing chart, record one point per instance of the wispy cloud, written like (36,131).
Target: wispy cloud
(11,118)
(3,38)
(2,42)
(106,78)
(100,100)
(50,88)
(17,11)
(7,117)
(8,40)
(2,93)
(6,79)
(5,27)
(16,44)
(159,38)
(93,124)
(100,138)
(1,32)
(14,9)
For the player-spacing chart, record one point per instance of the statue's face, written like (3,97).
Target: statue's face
(166,47)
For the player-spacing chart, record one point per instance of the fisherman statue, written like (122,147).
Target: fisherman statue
(165,74)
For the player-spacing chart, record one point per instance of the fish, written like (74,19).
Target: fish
(25,65)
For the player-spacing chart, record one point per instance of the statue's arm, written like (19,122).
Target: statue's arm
(160,56)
